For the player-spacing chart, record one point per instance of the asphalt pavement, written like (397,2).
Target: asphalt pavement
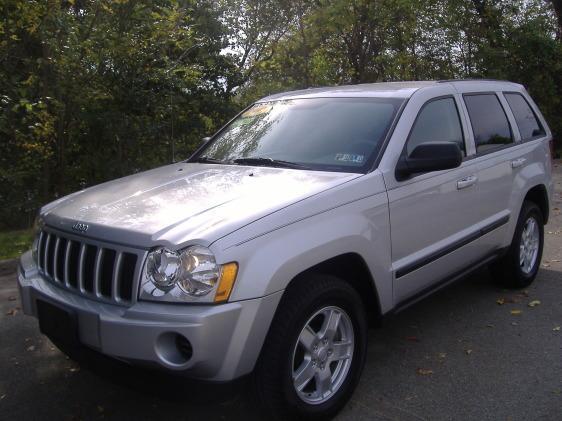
(470,352)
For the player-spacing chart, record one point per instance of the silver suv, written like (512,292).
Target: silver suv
(308,216)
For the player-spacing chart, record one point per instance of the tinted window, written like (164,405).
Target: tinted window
(438,121)
(340,134)
(489,122)
(527,122)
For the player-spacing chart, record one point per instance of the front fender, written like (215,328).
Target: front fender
(270,261)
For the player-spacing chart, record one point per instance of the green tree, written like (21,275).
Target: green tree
(92,90)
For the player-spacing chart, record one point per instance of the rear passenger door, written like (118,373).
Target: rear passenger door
(493,136)
(503,126)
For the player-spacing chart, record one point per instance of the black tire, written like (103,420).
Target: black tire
(507,270)
(273,376)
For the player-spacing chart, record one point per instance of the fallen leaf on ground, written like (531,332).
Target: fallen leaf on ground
(2,397)
(514,324)
(556,329)
(500,301)
(534,303)
(12,312)
(442,355)
(468,351)
(555,260)
(515,312)
(31,348)
(412,338)
(511,300)
(545,265)
(424,372)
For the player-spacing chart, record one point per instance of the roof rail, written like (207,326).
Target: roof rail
(472,80)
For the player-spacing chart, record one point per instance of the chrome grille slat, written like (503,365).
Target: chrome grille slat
(40,250)
(66,263)
(81,268)
(55,259)
(46,255)
(96,270)
(116,274)
(99,256)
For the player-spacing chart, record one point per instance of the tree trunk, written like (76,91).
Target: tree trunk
(557,5)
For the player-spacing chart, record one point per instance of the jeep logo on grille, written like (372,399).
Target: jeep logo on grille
(80,227)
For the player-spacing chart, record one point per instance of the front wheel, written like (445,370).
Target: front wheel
(315,350)
(519,267)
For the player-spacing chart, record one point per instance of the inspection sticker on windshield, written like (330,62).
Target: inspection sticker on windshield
(350,157)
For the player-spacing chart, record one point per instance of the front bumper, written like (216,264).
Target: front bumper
(226,339)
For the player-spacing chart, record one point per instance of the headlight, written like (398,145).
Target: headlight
(37,227)
(187,275)
(200,271)
(162,268)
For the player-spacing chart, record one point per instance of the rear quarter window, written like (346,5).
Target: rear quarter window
(489,122)
(527,121)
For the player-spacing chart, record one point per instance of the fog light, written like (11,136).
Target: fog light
(173,349)
(184,347)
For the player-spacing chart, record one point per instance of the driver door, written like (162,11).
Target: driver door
(433,216)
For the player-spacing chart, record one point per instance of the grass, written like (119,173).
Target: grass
(14,243)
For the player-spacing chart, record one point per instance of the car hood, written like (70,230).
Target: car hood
(185,202)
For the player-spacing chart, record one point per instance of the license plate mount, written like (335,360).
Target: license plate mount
(58,324)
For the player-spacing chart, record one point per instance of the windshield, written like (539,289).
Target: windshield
(334,134)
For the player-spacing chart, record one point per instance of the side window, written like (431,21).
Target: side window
(527,121)
(438,121)
(489,122)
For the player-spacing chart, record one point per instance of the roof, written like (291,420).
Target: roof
(388,89)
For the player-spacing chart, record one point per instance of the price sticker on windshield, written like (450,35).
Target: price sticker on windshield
(257,110)
(350,157)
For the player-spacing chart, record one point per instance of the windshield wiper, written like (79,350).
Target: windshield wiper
(268,162)
(207,160)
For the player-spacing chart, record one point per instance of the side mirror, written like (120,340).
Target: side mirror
(430,156)
(205,140)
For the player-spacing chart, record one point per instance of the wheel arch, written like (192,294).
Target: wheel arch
(539,195)
(352,268)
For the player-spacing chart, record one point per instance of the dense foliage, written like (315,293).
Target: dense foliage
(92,90)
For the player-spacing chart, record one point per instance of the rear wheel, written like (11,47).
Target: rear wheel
(315,349)
(519,267)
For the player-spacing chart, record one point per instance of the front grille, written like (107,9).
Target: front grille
(104,272)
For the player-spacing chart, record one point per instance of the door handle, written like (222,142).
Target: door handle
(463,183)
(517,162)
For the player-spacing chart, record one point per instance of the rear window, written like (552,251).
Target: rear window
(527,121)
(489,122)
